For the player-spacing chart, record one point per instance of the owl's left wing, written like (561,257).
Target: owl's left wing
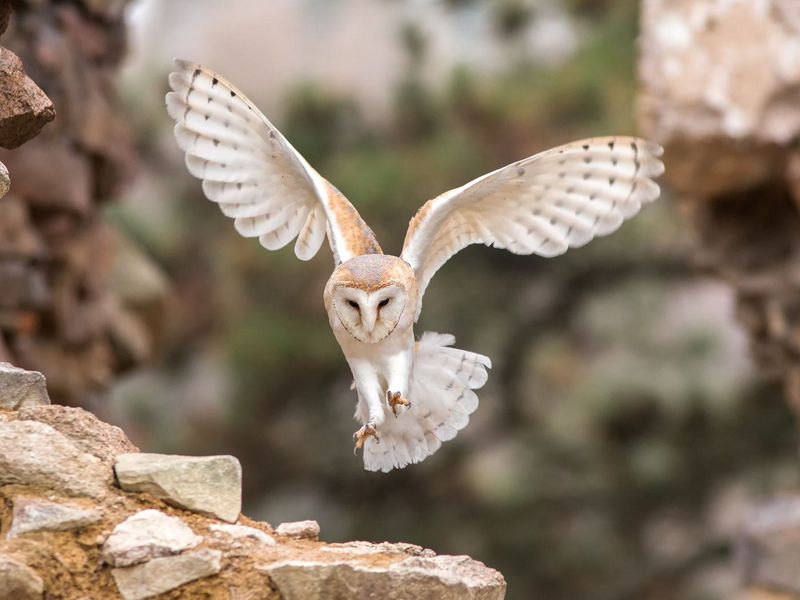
(544,204)
(254,174)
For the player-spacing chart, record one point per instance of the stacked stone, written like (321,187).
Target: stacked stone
(721,92)
(85,515)
(56,253)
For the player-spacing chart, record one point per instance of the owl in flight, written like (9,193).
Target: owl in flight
(412,394)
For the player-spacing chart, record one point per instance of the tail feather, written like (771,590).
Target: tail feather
(441,398)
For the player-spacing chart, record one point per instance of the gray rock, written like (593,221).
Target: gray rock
(36,515)
(210,485)
(299,529)
(19,387)
(242,531)
(35,454)
(164,574)
(414,578)
(146,535)
(18,581)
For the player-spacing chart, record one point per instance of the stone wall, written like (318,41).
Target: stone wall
(57,313)
(84,514)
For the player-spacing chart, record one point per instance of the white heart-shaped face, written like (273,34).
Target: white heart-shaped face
(369,316)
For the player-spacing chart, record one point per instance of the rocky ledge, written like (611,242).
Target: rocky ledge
(84,514)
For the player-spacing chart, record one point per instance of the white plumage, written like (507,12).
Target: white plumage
(412,396)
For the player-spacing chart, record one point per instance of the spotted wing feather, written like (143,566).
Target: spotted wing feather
(544,204)
(254,174)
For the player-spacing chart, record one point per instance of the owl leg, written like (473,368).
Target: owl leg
(369,394)
(399,376)
(395,399)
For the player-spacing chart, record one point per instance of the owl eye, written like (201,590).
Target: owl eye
(353,304)
(383,303)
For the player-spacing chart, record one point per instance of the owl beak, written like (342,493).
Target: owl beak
(369,321)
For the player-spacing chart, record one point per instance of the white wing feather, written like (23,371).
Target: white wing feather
(545,204)
(254,174)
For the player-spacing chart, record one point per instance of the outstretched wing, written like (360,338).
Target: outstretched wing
(544,204)
(255,175)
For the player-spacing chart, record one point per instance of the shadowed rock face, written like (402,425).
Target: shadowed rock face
(68,531)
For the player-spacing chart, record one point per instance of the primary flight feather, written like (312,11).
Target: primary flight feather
(412,395)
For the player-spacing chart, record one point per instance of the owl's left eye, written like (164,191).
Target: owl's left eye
(353,304)
(383,303)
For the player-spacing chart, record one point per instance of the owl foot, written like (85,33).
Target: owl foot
(395,399)
(362,434)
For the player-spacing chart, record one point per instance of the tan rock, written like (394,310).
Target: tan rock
(18,581)
(25,108)
(299,529)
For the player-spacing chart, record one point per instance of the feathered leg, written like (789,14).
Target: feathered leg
(369,393)
(398,378)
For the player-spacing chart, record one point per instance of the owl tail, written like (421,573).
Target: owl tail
(442,400)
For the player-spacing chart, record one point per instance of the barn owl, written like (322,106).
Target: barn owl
(412,394)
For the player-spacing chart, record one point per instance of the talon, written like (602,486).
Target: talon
(395,399)
(362,434)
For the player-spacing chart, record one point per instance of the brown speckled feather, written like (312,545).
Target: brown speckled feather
(255,175)
(558,199)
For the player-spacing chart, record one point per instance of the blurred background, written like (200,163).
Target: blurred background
(640,400)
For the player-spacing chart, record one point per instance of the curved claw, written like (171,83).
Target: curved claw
(395,399)
(360,436)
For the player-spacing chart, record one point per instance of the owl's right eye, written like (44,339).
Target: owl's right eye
(353,304)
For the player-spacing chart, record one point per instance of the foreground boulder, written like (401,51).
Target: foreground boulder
(69,531)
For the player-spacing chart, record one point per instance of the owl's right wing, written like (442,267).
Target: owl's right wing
(255,175)
(545,204)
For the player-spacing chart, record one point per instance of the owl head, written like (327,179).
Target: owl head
(370,296)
